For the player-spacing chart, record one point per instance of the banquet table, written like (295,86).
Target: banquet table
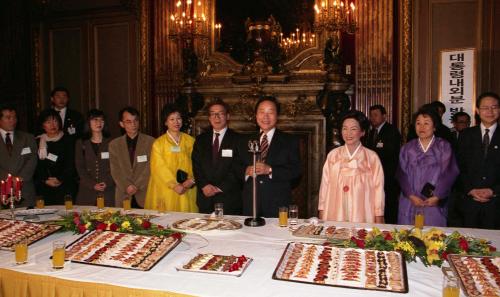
(264,244)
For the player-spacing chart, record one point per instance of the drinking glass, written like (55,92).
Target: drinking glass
(68,202)
(100,201)
(58,254)
(40,203)
(419,218)
(21,251)
(283,216)
(219,210)
(293,215)
(450,286)
(127,205)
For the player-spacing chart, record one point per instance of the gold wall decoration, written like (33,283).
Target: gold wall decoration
(374,55)
(405,67)
(144,64)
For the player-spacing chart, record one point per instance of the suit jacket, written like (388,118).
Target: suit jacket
(21,162)
(225,173)
(93,169)
(479,172)
(276,190)
(125,174)
(387,147)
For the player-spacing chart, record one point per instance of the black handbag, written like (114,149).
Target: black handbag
(182,176)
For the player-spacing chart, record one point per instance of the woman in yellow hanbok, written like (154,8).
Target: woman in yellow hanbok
(171,185)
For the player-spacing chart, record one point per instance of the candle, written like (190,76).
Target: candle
(19,185)
(9,184)
(3,190)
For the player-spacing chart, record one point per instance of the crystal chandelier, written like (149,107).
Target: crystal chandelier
(335,16)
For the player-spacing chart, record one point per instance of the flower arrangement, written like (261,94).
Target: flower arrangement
(113,221)
(432,247)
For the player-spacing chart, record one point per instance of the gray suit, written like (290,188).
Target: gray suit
(125,174)
(21,162)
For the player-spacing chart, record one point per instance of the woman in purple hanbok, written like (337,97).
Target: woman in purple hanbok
(427,170)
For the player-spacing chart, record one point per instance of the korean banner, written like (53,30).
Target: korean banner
(457,82)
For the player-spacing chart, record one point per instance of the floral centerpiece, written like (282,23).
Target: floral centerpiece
(432,247)
(113,221)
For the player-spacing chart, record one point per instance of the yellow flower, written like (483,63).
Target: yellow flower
(434,245)
(432,256)
(416,232)
(138,221)
(433,234)
(125,225)
(405,246)
(88,225)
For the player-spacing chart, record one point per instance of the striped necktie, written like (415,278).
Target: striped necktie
(264,148)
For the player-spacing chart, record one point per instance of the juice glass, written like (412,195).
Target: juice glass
(100,201)
(283,216)
(127,205)
(58,254)
(419,218)
(40,203)
(21,251)
(68,202)
(450,286)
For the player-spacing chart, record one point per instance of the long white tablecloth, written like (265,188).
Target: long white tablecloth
(264,244)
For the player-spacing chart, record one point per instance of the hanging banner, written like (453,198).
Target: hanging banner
(457,82)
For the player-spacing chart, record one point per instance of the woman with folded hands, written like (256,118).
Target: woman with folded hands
(427,170)
(171,185)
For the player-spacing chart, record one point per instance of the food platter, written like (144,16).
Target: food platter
(120,250)
(217,264)
(479,275)
(327,232)
(343,267)
(12,231)
(35,211)
(205,224)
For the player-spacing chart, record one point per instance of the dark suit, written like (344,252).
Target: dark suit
(225,173)
(479,172)
(21,162)
(387,145)
(272,192)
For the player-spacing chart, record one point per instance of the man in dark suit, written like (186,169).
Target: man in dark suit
(460,121)
(279,164)
(72,120)
(479,161)
(17,153)
(216,166)
(385,140)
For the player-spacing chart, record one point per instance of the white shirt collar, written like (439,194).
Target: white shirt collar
(221,134)
(380,127)
(492,129)
(269,134)
(4,133)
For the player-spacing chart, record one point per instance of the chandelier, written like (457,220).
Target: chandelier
(297,41)
(335,16)
(188,21)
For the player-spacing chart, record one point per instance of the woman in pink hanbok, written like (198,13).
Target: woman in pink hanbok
(352,185)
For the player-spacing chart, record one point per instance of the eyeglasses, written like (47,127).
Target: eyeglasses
(217,114)
(491,108)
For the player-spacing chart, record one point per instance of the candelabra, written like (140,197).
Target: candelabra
(297,41)
(254,221)
(335,16)
(11,193)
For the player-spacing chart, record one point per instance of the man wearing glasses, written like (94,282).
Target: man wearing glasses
(216,168)
(479,161)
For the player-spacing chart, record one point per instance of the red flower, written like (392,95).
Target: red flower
(359,242)
(444,255)
(388,236)
(76,220)
(176,235)
(82,228)
(101,226)
(146,224)
(113,227)
(76,215)
(493,249)
(160,227)
(462,243)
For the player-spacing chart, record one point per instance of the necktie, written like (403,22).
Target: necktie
(264,148)
(8,142)
(215,148)
(375,137)
(486,141)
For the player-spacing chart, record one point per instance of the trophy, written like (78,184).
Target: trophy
(254,221)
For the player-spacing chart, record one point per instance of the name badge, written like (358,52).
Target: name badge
(104,155)
(25,151)
(71,130)
(175,149)
(227,153)
(52,157)
(380,144)
(142,159)
(352,164)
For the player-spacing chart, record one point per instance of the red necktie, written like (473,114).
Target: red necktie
(8,142)
(215,148)
(264,148)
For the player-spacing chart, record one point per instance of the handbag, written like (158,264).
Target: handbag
(181,176)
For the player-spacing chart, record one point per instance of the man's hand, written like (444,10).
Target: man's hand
(53,182)
(100,187)
(209,190)
(260,169)
(131,190)
(179,189)
(481,195)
